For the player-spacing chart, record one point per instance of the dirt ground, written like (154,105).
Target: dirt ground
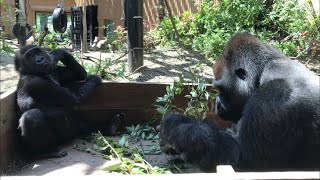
(86,161)
(159,66)
(162,65)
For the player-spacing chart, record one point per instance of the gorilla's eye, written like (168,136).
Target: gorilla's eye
(241,73)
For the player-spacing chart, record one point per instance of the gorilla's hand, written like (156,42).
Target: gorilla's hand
(170,128)
(92,82)
(198,142)
(58,54)
(94,79)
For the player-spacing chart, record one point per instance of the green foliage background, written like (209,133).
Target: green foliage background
(288,25)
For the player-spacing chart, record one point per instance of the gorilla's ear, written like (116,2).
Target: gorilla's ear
(241,73)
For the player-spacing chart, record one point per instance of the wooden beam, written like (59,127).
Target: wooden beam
(134,19)
(84,47)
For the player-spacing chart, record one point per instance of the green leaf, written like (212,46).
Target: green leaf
(193,94)
(207,95)
(156,137)
(137,158)
(161,110)
(150,136)
(123,140)
(107,157)
(112,167)
(137,170)
(188,96)
(119,150)
(168,88)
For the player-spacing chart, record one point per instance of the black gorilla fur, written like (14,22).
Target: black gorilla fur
(274,103)
(46,105)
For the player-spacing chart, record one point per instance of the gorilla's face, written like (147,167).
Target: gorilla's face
(34,60)
(237,73)
(231,99)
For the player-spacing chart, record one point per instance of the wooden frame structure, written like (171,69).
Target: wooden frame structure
(134,99)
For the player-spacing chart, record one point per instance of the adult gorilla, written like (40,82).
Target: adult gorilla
(47,107)
(274,103)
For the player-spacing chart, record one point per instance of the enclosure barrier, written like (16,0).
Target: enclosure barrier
(136,101)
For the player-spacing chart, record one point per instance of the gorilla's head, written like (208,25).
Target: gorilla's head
(237,73)
(32,59)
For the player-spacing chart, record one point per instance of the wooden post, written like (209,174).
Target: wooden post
(84,45)
(23,22)
(2,27)
(134,18)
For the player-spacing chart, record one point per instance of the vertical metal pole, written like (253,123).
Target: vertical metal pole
(134,18)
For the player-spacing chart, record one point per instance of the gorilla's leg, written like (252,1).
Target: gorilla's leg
(201,142)
(64,125)
(36,134)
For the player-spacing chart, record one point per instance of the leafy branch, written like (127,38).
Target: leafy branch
(164,103)
(131,160)
(199,97)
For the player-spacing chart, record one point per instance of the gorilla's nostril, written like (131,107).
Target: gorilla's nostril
(40,60)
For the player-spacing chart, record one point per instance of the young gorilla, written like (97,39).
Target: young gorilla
(48,118)
(274,102)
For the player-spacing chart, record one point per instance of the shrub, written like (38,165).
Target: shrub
(286,23)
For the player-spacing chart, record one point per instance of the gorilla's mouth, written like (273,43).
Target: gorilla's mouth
(225,111)
(50,67)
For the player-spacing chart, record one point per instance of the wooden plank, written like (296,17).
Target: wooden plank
(225,169)
(8,126)
(250,175)
(115,95)
(135,100)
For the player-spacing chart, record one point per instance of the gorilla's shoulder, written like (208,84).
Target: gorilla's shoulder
(289,70)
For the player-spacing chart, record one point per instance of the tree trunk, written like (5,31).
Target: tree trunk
(172,21)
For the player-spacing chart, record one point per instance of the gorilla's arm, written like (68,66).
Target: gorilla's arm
(199,142)
(271,126)
(72,71)
(50,93)
(263,137)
